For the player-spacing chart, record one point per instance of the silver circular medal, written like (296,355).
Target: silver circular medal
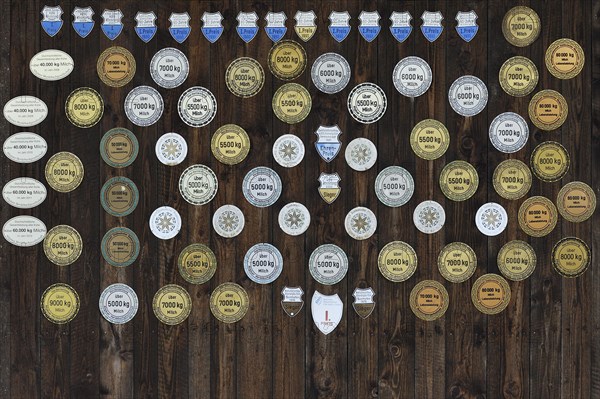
(429,217)
(294,219)
(169,68)
(171,149)
(491,219)
(394,186)
(509,132)
(360,223)
(165,222)
(263,263)
(330,73)
(468,95)
(198,184)
(118,303)
(328,264)
(288,150)
(412,76)
(228,221)
(197,106)
(361,154)
(144,106)
(262,187)
(367,103)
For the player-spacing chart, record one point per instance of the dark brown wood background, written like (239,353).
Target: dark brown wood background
(545,345)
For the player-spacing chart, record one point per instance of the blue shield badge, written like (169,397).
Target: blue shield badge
(111,23)
(52,20)
(339,26)
(467,25)
(369,25)
(83,23)
(328,142)
(275,25)
(401,27)
(212,28)
(180,26)
(146,26)
(247,27)
(432,25)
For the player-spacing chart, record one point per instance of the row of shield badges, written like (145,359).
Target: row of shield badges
(327,310)
(247,28)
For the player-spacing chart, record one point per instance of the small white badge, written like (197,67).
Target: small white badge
(146,25)
(467,25)
(52,20)
(509,132)
(247,27)
(165,222)
(339,26)
(288,150)
(369,25)
(111,23)
(432,25)
(491,219)
(275,27)
(429,217)
(468,95)
(294,219)
(292,301)
(83,23)
(212,28)
(361,154)
(327,311)
(363,301)
(328,142)
(118,303)
(360,223)
(171,149)
(228,221)
(305,24)
(180,26)
(401,27)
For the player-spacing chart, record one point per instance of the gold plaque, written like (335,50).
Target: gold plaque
(84,107)
(244,77)
(116,66)
(512,179)
(397,261)
(459,180)
(172,304)
(521,26)
(576,201)
(548,110)
(518,76)
(63,245)
(516,260)
(538,216)
(490,294)
(429,300)
(64,172)
(60,303)
(229,302)
(565,58)
(230,144)
(287,59)
(292,103)
(571,257)
(429,139)
(550,161)
(197,263)
(457,262)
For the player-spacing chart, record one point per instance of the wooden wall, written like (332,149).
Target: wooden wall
(545,345)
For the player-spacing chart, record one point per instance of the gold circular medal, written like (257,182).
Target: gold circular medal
(457,262)
(120,247)
(490,293)
(116,66)
(397,261)
(512,179)
(64,172)
(172,304)
(550,161)
(230,144)
(287,59)
(292,103)
(516,260)
(119,196)
(429,139)
(518,76)
(576,201)
(119,147)
(63,245)
(229,302)
(538,216)
(244,77)
(521,26)
(60,303)
(548,110)
(565,58)
(84,107)
(459,180)
(571,257)
(429,300)
(197,263)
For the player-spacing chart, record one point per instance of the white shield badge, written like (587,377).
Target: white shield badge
(327,311)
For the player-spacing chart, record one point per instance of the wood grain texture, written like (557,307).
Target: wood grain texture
(545,345)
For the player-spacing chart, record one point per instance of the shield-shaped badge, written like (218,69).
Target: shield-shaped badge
(212,28)
(328,142)
(52,20)
(146,26)
(275,25)
(180,26)
(363,301)
(467,25)
(432,25)
(369,25)
(329,189)
(111,23)
(292,301)
(305,24)
(339,26)
(83,23)
(327,311)
(401,27)
(247,27)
